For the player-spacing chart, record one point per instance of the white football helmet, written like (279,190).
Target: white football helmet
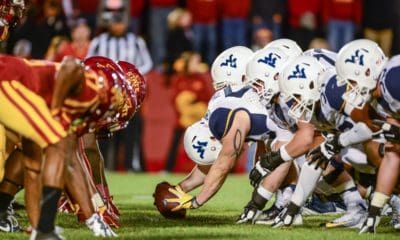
(230,66)
(300,85)
(263,71)
(288,46)
(359,64)
(200,145)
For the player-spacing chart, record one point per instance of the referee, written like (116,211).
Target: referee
(120,45)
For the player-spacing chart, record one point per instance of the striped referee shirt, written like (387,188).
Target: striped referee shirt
(130,48)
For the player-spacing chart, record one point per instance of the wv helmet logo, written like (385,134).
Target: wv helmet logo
(230,62)
(269,60)
(200,147)
(356,58)
(298,73)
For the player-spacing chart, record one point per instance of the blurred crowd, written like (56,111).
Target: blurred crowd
(180,39)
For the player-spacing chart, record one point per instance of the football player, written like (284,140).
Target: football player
(77,93)
(224,77)
(362,67)
(331,113)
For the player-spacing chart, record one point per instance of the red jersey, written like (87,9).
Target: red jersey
(39,76)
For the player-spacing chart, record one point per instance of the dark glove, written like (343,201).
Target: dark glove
(322,154)
(317,157)
(332,144)
(389,131)
(266,164)
(370,224)
(287,216)
(257,174)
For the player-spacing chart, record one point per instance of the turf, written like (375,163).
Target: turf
(215,220)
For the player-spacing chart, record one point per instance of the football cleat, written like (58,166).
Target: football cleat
(99,227)
(353,218)
(267,217)
(36,235)
(317,206)
(249,215)
(8,223)
(395,203)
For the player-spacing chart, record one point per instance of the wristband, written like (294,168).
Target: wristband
(284,154)
(195,203)
(379,200)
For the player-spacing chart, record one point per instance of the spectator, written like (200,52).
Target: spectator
(179,37)
(303,20)
(54,47)
(205,17)
(378,22)
(87,10)
(118,44)
(341,19)
(190,98)
(23,48)
(319,43)
(234,15)
(136,11)
(159,10)
(108,8)
(262,36)
(43,24)
(79,44)
(267,14)
(396,38)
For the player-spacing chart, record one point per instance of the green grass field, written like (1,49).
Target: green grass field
(215,220)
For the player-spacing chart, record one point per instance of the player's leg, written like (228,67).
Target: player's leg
(387,178)
(264,192)
(11,184)
(91,153)
(78,189)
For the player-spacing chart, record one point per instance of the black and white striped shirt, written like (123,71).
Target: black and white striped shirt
(130,48)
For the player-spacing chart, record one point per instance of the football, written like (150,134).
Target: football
(160,195)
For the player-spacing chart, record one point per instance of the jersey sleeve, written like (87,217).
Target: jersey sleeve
(332,94)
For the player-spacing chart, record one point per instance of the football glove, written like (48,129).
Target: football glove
(370,224)
(389,131)
(321,155)
(249,215)
(257,174)
(183,199)
(266,164)
(287,216)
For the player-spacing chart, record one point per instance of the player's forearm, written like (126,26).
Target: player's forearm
(216,177)
(300,144)
(193,180)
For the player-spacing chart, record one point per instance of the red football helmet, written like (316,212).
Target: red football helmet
(128,108)
(11,12)
(136,80)
(111,90)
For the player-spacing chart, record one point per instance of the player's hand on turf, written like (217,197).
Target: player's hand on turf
(287,216)
(257,174)
(389,131)
(183,199)
(370,224)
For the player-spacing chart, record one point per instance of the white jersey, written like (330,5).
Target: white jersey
(278,113)
(325,57)
(223,108)
(388,105)
(329,115)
